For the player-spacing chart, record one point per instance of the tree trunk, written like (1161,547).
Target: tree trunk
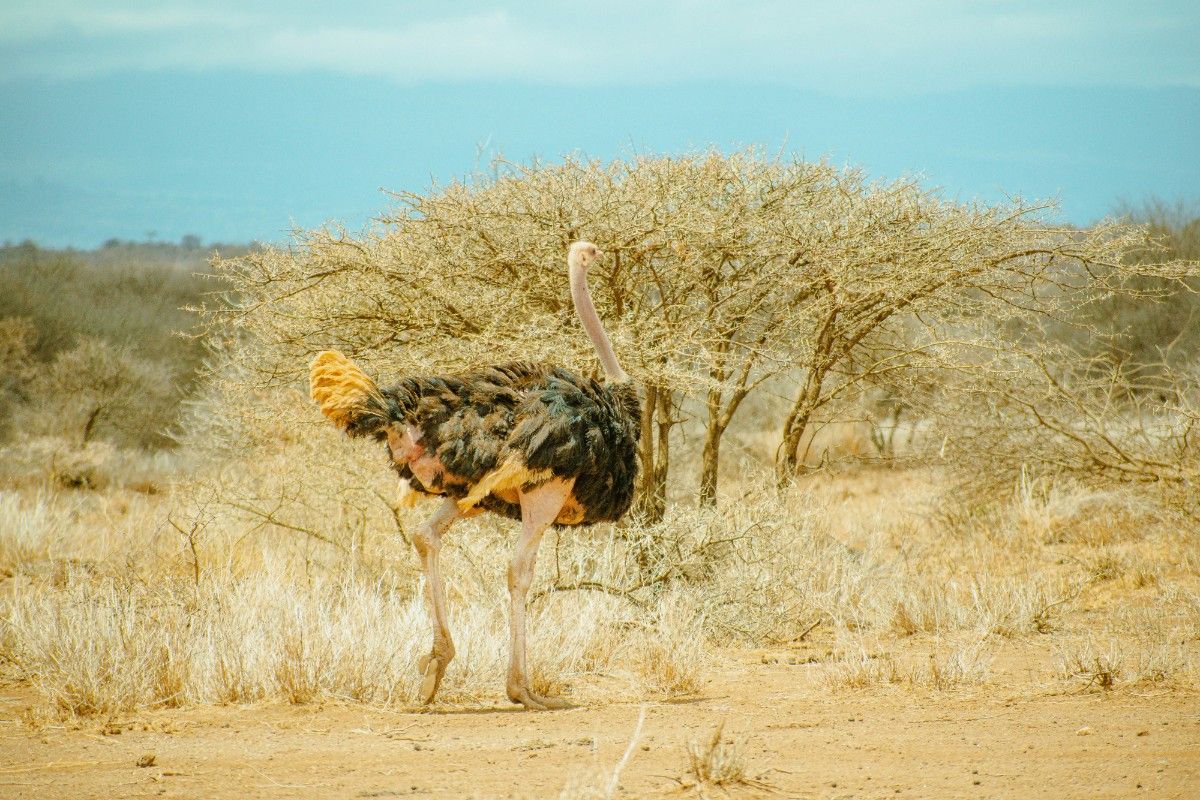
(720,413)
(89,427)
(789,462)
(664,421)
(808,399)
(654,454)
(788,456)
(710,461)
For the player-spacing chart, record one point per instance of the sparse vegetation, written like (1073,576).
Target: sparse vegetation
(728,276)
(964,513)
(100,344)
(717,762)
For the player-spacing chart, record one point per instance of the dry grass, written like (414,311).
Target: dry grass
(673,649)
(942,667)
(1090,665)
(121,600)
(107,646)
(52,463)
(288,617)
(718,762)
(29,532)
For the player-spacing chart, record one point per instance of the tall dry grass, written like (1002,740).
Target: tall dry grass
(121,600)
(135,626)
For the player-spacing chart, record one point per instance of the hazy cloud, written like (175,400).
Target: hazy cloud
(845,47)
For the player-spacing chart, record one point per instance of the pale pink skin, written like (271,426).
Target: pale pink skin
(540,507)
(407,449)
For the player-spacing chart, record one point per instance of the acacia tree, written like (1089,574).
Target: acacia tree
(473,274)
(723,272)
(891,272)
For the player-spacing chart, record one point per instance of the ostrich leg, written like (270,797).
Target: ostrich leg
(428,542)
(539,508)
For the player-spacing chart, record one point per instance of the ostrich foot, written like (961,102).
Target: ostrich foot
(535,702)
(432,667)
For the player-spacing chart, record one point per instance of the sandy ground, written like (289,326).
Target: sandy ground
(799,740)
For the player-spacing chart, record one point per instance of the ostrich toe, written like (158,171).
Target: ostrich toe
(432,668)
(536,702)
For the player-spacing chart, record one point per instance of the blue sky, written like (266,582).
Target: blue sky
(235,120)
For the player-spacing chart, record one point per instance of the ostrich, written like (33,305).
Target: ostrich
(527,441)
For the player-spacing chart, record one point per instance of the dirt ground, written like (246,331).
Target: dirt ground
(798,740)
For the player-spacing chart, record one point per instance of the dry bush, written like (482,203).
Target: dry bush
(28,530)
(1164,329)
(865,664)
(128,296)
(1007,606)
(96,390)
(51,463)
(1164,665)
(1039,409)
(1101,670)
(46,535)
(17,337)
(860,668)
(1125,663)
(1068,512)
(121,309)
(718,762)
(1189,603)
(674,649)
(965,666)
(767,572)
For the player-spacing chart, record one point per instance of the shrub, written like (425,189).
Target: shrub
(97,390)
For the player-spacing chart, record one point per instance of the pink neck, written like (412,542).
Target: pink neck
(595,329)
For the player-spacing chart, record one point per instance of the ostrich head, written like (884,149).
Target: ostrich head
(582,254)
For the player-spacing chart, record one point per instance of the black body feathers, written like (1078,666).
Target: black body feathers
(546,417)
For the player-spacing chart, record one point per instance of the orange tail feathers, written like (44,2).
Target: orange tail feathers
(340,388)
